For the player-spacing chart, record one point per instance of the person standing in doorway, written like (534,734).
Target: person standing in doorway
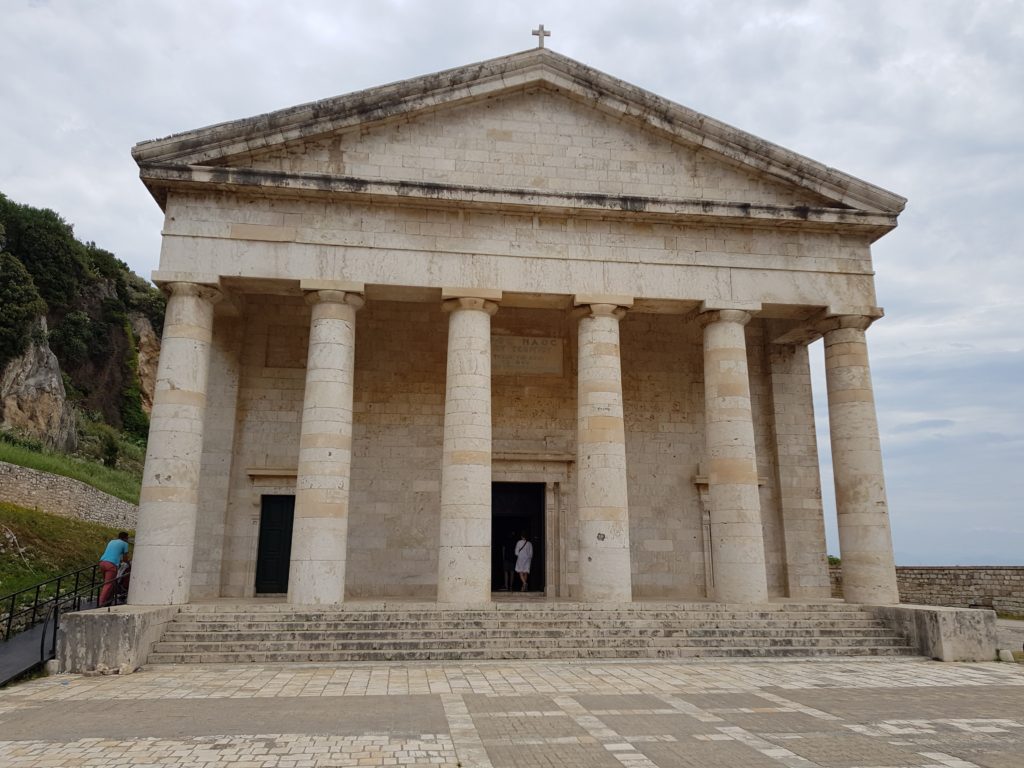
(508,562)
(524,554)
(111,559)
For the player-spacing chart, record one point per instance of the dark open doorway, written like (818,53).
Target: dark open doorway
(274,552)
(517,508)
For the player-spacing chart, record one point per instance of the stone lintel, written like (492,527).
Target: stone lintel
(717,305)
(843,310)
(614,299)
(487,294)
(814,327)
(162,278)
(272,471)
(343,286)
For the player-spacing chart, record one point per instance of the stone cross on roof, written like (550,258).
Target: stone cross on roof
(541,33)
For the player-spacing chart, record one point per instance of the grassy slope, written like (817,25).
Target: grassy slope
(51,546)
(116,482)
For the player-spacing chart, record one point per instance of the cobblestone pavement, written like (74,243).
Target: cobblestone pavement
(1011,634)
(869,713)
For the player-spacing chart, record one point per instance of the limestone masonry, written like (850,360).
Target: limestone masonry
(999,587)
(64,496)
(407,324)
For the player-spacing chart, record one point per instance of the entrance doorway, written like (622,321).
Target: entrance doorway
(274,552)
(517,508)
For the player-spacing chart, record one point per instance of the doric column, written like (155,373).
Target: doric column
(464,556)
(169,500)
(799,478)
(602,502)
(865,541)
(737,540)
(320,532)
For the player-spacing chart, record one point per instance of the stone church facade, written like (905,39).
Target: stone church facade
(518,296)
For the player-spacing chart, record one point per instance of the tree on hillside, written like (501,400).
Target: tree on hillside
(46,245)
(20,305)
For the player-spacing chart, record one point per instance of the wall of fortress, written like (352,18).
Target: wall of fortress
(998,587)
(63,496)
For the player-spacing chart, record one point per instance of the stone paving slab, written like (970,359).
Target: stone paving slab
(864,713)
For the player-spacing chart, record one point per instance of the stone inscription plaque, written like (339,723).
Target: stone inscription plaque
(516,355)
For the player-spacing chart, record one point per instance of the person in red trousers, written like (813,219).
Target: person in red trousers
(115,552)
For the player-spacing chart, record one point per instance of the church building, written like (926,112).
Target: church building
(407,326)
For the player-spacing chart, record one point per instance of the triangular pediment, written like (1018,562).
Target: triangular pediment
(534,121)
(536,139)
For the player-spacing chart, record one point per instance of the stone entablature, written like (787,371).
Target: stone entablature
(63,496)
(679,267)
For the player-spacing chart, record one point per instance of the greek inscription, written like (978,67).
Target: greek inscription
(515,355)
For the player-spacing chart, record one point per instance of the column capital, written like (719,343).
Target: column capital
(601,310)
(724,316)
(602,304)
(487,294)
(469,302)
(199,290)
(844,322)
(330,296)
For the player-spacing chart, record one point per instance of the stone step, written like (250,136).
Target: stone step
(516,627)
(501,607)
(483,654)
(423,616)
(415,644)
(178,634)
(410,632)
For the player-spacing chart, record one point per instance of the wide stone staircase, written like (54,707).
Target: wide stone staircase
(240,633)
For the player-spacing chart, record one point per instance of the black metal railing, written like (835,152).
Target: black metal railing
(83,597)
(28,607)
(31,617)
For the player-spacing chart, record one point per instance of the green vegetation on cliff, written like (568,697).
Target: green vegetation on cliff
(122,483)
(20,305)
(87,295)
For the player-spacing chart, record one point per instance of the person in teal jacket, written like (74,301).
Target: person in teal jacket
(112,556)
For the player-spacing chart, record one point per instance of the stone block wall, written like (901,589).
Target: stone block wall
(998,587)
(64,496)
(530,141)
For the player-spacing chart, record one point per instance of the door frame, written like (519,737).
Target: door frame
(263,497)
(555,471)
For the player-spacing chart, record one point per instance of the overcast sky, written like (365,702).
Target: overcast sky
(922,97)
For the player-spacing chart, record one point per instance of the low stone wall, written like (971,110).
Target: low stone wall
(991,586)
(59,495)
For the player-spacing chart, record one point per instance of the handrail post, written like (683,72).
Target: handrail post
(10,617)
(56,626)
(35,604)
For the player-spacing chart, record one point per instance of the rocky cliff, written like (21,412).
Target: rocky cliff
(32,397)
(76,326)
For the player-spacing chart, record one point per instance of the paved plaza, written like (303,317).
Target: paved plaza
(755,714)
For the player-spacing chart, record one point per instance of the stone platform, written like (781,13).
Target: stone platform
(261,631)
(232,633)
(834,713)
